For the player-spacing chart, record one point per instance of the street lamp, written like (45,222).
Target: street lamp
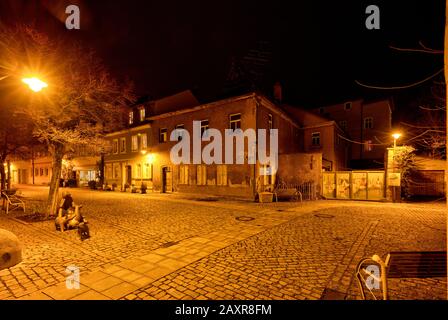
(35,84)
(396,136)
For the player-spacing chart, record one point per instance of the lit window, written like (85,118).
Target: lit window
(183,174)
(144,141)
(204,128)
(368,123)
(235,121)
(134,146)
(163,135)
(315,138)
(148,171)
(142,114)
(131,117)
(123,145)
(138,171)
(348,106)
(270,121)
(201,175)
(179,135)
(115,146)
(221,175)
(368,146)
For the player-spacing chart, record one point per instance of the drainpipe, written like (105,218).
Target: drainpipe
(257,104)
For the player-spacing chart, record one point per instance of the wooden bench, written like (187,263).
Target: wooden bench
(411,264)
(12,201)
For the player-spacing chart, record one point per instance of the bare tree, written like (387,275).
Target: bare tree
(82,101)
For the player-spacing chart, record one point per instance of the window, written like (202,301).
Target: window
(315,138)
(368,123)
(221,175)
(144,141)
(115,146)
(123,145)
(109,171)
(368,146)
(141,112)
(134,143)
(131,117)
(235,121)
(270,122)
(343,124)
(179,135)
(201,175)
(46,172)
(204,127)
(183,174)
(148,171)
(138,171)
(163,135)
(41,172)
(116,167)
(348,106)
(36,172)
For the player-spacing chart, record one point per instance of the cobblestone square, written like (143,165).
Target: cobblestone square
(173,246)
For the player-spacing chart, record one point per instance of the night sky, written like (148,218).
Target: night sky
(318,48)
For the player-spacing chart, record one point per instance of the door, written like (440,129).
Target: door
(166,179)
(129,175)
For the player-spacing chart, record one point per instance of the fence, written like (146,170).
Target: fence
(356,185)
(304,191)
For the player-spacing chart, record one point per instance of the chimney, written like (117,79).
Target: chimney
(278,92)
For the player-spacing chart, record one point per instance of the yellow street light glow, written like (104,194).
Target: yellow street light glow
(35,84)
(143,152)
(150,158)
(396,136)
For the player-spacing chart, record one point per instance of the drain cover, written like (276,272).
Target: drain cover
(243,218)
(323,215)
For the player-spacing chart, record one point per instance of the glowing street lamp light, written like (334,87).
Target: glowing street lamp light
(35,84)
(396,136)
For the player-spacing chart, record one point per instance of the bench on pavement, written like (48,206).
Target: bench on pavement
(11,201)
(399,265)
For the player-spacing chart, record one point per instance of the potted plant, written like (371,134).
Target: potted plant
(133,189)
(114,186)
(143,187)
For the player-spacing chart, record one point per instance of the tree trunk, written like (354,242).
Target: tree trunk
(53,199)
(2,175)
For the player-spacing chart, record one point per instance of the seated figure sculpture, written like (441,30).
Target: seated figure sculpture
(69,217)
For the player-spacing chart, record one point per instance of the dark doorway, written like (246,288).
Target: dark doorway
(166,179)
(129,175)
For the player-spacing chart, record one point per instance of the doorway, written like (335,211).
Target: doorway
(166,179)
(129,175)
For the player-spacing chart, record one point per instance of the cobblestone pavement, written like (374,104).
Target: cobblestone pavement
(176,247)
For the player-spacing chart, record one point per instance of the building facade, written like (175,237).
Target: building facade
(141,154)
(367,126)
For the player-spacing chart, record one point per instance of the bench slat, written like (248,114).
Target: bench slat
(417,264)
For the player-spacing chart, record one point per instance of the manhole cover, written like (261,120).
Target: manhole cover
(323,215)
(243,218)
(169,244)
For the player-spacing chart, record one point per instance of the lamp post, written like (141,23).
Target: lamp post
(396,136)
